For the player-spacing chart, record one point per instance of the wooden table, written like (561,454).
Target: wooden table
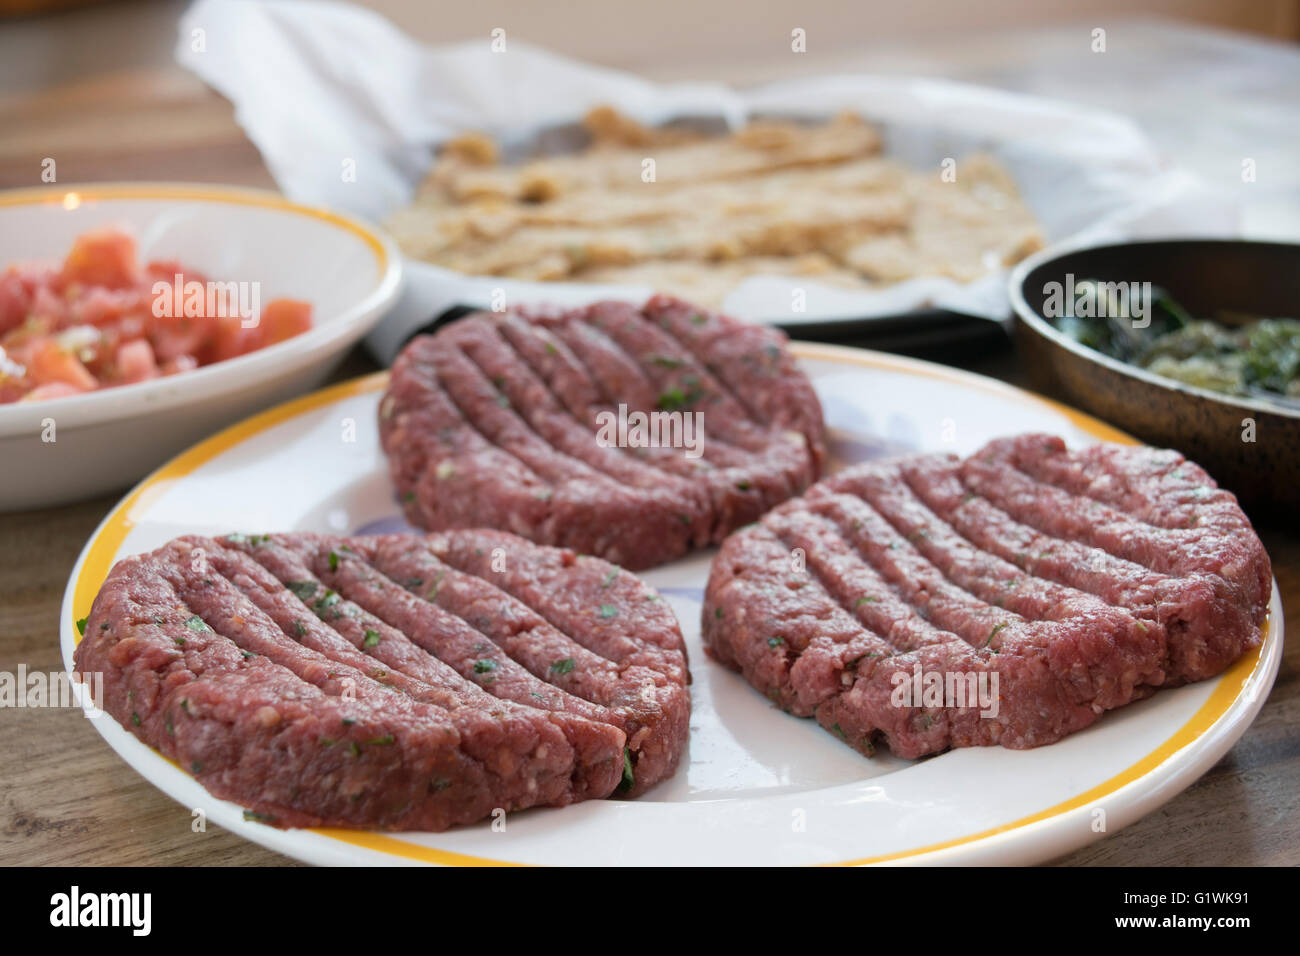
(66,798)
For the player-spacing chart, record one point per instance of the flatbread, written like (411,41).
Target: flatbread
(693,214)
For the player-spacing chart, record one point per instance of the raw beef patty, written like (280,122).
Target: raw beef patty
(392,681)
(1064,583)
(510,420)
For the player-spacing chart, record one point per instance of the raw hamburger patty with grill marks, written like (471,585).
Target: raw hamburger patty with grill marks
(392,681)
(496,421)
(1078,580)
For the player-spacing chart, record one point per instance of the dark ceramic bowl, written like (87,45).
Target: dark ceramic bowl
(1209,278)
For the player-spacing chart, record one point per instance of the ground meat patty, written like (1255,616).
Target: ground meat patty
(501,420)
(392,681)
(1058,584)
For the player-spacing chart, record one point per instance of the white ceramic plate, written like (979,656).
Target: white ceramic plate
(759,786)
(106,439)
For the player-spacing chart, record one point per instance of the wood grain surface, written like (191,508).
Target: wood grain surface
(66,798)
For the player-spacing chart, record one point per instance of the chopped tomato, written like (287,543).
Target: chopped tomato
(283,319)
(175,292)
(102,318)
(96,306)
(15,299)
(13,387)
(181,363)
(104,257)
(52,390)
(50,363)
(135,362)
(166,270)
(233,339)
(48,307)
(179,336)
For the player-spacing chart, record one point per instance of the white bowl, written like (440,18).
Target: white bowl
(102,440)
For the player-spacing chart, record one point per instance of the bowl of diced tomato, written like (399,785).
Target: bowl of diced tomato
(138,319)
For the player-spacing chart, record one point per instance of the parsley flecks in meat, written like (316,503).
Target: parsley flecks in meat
(672,399)
(372,637)
(607,611)
(382,741)
(327,601)
(992,633)
(609,578)
(865,599)
(255,817)
(562,666)
(629,778)
(254,539)
(197,623)
(775,641)
(303,589)
(484,666)
(334,561)
(437,583)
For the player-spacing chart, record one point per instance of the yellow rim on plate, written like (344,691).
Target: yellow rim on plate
(103,548)
(70,197)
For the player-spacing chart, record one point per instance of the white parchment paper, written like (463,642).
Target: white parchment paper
(316,85)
